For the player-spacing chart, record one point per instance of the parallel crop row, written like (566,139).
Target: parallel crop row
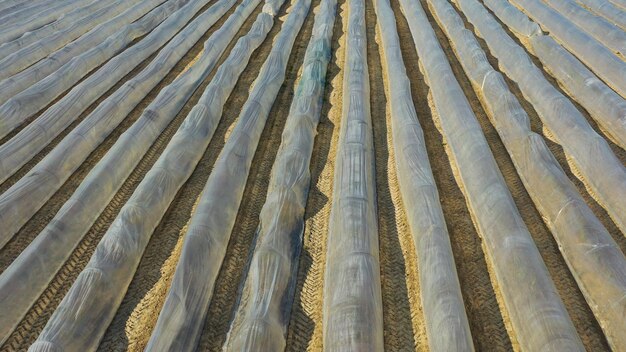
(21,59)
(444,312)
(181,319)
(94,38)
(353,317)
(594,258)
(26,196)
(103,122)
(606,106)
(57,240)
(536,312)
(102,284)
(603,173)
(271,280)
(599,58)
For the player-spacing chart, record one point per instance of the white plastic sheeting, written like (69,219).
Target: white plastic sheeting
(599,58)
(26,103)
(24,57)
(592,255)
(447,326)
(602,172)
(353,317)
(537,316)
(605,106)
(20,12)
(47,30)
(10,6)
(35,136)
(264,315)
(619,3)
(46,254)
(103,283)
(605,32)
(514,19)
(15,24)
(27,195)
(181,319)
(207,113)
(22,80)
(604,8)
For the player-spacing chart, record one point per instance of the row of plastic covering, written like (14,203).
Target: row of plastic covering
(79,212)
(596,56)
(605,106)
(78,14)
(36,97)
(104,281)
(15,24)
(447,326)
(601,171)
(606,9)
(12,6)
(18,13)
(28,194)
(79,58)
(592,255)
(22,58)
(263,314)
(204,117)
(602,30)
(181,319)
(537,315)
(610,11)
(117,27)
(352,312)
(46,254)
(619,3)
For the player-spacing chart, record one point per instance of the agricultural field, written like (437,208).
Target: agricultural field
(308,175)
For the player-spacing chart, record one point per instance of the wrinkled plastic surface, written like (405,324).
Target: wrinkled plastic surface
(22,58)
(353,317)
(447,326)
(15,24)
(594,259)
(264,315)
(602,30)
(47,30)
(602,172)
(27,195)
(103,283)
(209,111)
(604,8)
(605,106)
(46,254)
(38,71)
(20,12)
(181,319)
(10,6)
(599,58)
(537,315)
(26,103)
(89,50)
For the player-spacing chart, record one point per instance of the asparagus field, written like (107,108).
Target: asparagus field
(312,175)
